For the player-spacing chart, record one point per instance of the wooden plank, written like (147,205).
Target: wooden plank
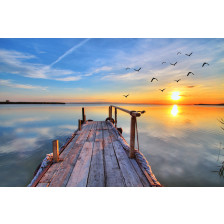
(42,185)
(130,176)
(96,172)
(104,125)
(113,175)
(63,173)
(80,172)
(99,125)
(99,132)
(92,135)
(94,125)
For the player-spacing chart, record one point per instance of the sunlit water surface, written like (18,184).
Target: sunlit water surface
(181,143)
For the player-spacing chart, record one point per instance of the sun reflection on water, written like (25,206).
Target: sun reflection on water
(174,110)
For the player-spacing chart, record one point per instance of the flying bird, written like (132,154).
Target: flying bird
(137,70)
(178,53)
(126,95)
(161,90)
(153,79)
(127,68)
(190,73)
(205,63)
(189,54)
(174,63)
(163,62)
(177,80)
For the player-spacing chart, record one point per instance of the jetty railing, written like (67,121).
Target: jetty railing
(134,114)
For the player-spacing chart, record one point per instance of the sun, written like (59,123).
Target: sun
(175,96)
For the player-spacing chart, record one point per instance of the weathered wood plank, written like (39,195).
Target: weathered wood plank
(99,132)
(80,172)
(113,175)
(104,125)
(130,176)
(96,172)
(42,185)
(63,173)
(99,125)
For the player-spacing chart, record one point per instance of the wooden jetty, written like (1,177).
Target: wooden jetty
(96,157)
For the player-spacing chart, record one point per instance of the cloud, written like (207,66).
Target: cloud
(70,51)
(20,145)
(126,77)
(9,83)
(70,78)
(97,70)
(190,86)
(17,63)
(21,121)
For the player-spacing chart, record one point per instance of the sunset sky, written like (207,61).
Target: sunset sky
(93,70)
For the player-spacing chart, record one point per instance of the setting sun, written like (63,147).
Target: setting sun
(175,96)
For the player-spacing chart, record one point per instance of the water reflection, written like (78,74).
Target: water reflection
(182,151)
(174,110)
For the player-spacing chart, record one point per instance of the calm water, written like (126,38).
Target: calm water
(181,143)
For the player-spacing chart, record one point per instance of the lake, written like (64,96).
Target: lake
(183,144)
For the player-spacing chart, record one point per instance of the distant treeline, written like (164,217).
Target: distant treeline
(31,103)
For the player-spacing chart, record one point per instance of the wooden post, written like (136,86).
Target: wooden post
(55,151)
(132,137)
(115,117)
(83,115)
(110,111)
(79,125)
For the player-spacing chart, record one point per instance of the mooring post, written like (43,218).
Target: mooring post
(79,125)
(115,117)
(132,137)
(110,111)
(83,115)
(55,151)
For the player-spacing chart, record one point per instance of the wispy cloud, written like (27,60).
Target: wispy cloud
(126,77)
(98,70)
(21,121)
(70,78)
(17,63)
(71,50)
(10,83)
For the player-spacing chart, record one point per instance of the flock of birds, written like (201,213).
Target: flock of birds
(164,62)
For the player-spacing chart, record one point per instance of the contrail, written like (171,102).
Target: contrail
(69,51)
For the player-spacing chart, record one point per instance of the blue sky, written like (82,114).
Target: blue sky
(93,70)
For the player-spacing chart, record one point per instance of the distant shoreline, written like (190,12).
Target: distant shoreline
(204,104)
(200,104)
(31,103)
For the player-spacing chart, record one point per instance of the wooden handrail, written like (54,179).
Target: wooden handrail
(133,114)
